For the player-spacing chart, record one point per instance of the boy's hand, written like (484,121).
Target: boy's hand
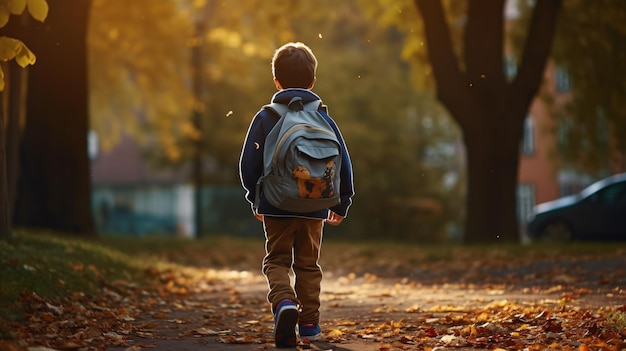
(258,216)
(334,219)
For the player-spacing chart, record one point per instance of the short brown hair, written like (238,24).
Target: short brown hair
(294,65)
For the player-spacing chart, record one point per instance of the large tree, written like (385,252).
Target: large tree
(466,55)
(12,81)
(54,186)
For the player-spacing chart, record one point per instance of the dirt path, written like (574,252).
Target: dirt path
(561,305)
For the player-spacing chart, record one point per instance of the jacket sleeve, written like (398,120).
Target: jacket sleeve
(346,186)
(251,160)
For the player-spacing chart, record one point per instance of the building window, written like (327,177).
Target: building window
(562,80)
(525,202)
(510,67)
(528,140)
(92,145)
(563,132)
(572,182)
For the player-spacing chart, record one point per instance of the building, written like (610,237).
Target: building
(129,197)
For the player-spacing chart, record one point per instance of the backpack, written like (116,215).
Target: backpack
(301,159)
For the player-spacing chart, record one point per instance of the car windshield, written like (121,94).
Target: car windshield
(597,186)
(613,194)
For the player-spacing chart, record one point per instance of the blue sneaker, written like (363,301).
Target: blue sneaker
(285,321)
(310,331)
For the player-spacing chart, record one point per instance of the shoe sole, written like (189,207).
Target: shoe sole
(285,330)
(312,337)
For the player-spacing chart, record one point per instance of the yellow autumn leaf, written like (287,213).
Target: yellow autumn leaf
(335,333)
(413,309)
(17,6)
(38,9)
(483,317)
(7,48)
(11,48)
(4,17)
(24,56)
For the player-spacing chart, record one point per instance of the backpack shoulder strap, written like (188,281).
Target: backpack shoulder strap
(277,108)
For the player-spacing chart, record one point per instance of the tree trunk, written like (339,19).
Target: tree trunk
(489,110)
(54,189)
(16,114)
(4,190)
(197,162)
(13,108)
(492,161)
(14,111)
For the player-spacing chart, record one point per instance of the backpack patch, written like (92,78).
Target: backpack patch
(302,160)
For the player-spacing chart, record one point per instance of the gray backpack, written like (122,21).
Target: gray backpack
(302,160)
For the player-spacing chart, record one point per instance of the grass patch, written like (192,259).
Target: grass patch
(53,266)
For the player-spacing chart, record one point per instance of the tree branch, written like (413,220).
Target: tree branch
(440,53)
(536,49)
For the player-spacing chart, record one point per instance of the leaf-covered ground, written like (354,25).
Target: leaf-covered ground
(175,294)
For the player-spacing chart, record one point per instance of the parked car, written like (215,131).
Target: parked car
(596,213)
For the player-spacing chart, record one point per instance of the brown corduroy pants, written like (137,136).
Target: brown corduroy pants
(294,243)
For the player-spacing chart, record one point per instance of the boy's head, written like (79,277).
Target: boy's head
(294,66)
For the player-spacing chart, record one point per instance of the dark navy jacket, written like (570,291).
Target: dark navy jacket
(251,161)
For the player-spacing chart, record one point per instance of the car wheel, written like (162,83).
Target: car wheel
(557,231)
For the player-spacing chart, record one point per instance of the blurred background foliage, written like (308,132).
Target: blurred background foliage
(407,170)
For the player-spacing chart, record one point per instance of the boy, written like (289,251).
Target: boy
(293,239)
